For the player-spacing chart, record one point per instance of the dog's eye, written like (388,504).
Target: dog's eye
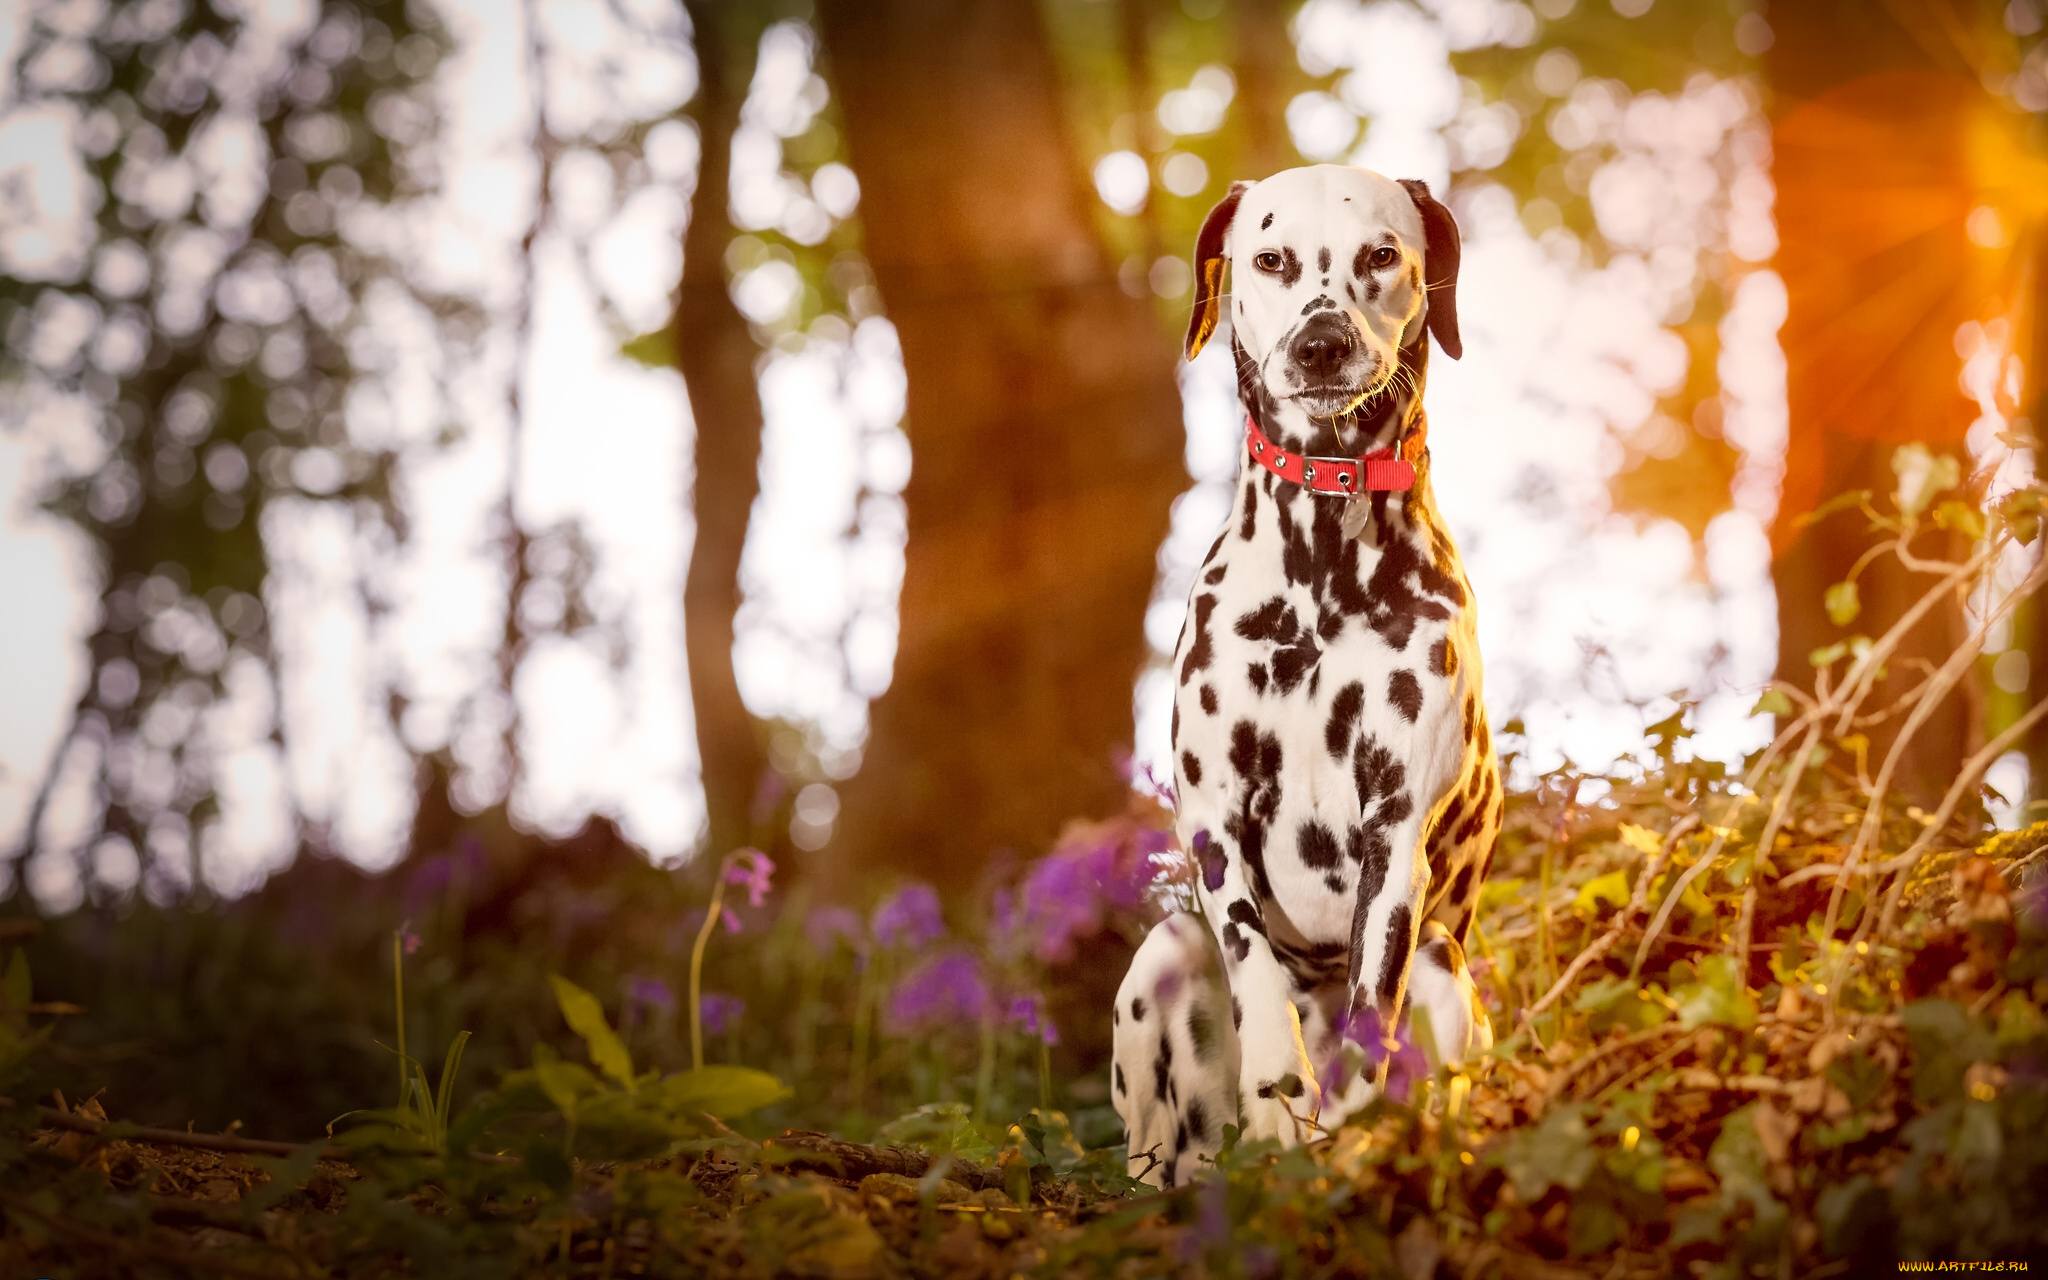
(1267,261)
(1385,256)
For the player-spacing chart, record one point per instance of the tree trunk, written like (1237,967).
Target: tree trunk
(1817,48)
(1046,427)
(716,354)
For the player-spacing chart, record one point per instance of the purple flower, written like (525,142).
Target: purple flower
(407,938)
(911,917)
(946,990)
(651,993)
(720,1012)
(1408,1066)
(754,869)
(825,926)
(1211,1227)
(1063,898)
(1029,1013)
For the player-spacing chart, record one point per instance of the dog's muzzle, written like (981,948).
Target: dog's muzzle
(1322,349)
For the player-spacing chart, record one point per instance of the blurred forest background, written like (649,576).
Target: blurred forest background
(467,460)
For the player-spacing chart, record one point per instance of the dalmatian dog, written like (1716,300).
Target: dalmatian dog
(1337,785)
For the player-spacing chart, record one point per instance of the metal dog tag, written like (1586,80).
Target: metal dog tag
(1357,511)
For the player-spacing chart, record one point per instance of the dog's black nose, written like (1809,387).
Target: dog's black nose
(1321,351)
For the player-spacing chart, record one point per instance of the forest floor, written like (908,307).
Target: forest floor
(1717,1119)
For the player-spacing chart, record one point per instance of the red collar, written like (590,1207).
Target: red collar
(1378,471)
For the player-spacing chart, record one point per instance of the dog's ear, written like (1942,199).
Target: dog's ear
(1210,263)
(1440,267)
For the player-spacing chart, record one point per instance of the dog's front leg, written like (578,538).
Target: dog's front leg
(1277,1092)
(1383,924)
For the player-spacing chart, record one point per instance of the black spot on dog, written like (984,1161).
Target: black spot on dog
(1473,824)
(1266,222)
(1242,912)
(1162,1066)
(1236,1013)
(1215,575)
(1191,767)
(1203,650)
(1375,772)
(1290,269)
(1256,673)
(1174,734)
(1296,652)
(1209,699)
(1485,740)
(1470,709)
(1316,846)
(1394,962)
(1344,709)
(1255,757)
(1462,885)
(1361,262)
(1372,877)
(1201,1031)
(1250,524)
(1138,1008)
(1405,692)
(1449,816)
(1329,623)
(1391,606)
(1236,943)
(1180,1137)
(1443,660)
(1213,861)
(1324,303)
(1323,258)
(1198,1120)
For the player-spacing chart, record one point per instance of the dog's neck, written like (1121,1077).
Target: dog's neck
(1391,419)
(1382,421)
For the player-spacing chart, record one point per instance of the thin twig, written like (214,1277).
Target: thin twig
(1636,900)
(201,1263)
(1739,943)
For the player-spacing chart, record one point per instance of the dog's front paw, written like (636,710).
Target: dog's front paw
(1285,1108)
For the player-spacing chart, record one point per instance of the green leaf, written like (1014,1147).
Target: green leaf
(1611,889)
(1720,996)
(1774,702)
(938,1128)
(1828,654)
(1559,1152)
(723,1091)
(565,1084)
(656,350)
(1961,517)
(1843,603)
(586,1019)
(2022,511)
(1922,474)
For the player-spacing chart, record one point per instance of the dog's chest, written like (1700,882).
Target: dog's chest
(1315,672)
